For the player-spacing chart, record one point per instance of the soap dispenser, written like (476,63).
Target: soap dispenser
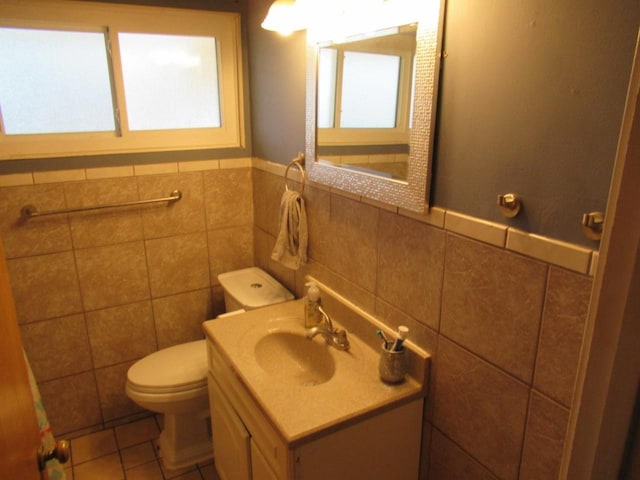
(312,316)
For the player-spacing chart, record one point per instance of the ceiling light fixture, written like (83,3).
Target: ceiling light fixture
(284,17)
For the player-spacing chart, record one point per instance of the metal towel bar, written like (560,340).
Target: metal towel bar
(30,211)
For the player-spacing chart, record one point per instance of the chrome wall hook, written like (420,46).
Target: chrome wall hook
(510,204)
(592,224)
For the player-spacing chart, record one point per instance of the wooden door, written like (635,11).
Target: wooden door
(19,438)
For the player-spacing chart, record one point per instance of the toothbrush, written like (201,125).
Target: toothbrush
(401,336)
(384,339)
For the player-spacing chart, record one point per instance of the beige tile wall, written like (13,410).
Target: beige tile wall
(96,291)
(504,321)
(501,311)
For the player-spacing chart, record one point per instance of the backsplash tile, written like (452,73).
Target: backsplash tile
(183,216)
(225,206)
(242,162)
(177,317)
(118,334)
(423,336)
(36,236)
(563,323)
(410,266)
(100,277)
(432,215)
(68,350)
(109,172)
(16,179)
(155,169)
(544,440)
(492,303)
(44,286)
(476,403)
(318,208)
(448,462)
(72,402)
(488,232)
(112,275)
(103,227)
(111,384)
(353,233)
(549,250)
(177,264)
(262,247)
(267,192)
(198,165)
(56,176)
(229,249)
(481,408)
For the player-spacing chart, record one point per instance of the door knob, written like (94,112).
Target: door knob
(60,452)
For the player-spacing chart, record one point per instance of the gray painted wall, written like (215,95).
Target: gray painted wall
(531,101)
(277,83)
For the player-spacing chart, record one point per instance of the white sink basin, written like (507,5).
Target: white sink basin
(293,358)
(303,385)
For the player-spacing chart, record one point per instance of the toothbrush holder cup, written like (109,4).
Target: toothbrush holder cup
(392,365)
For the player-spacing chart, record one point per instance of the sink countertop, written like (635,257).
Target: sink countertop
(300,411)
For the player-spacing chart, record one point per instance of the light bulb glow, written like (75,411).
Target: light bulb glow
(337,19)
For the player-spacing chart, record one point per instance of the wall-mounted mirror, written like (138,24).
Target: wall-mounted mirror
(370,110)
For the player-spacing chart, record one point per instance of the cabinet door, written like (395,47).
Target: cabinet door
(259,466)
(231,440)
(385,446)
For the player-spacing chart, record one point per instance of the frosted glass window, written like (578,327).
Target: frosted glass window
(369,90)
(327,77)
(170,81)
(54,81)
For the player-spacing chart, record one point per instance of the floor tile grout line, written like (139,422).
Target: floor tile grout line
(155,459)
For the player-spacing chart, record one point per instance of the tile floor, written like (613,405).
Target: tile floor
(127,452)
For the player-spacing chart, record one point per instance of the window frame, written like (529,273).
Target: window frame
(113,19)
(372,136)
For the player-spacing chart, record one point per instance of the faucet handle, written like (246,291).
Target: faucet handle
(341,340)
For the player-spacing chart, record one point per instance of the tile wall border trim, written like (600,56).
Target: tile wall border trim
(549,250)
(555,252)
(95,173)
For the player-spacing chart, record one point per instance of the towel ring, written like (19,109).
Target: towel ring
(297,162)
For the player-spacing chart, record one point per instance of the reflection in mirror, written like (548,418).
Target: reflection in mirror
(364,102)
(371,107)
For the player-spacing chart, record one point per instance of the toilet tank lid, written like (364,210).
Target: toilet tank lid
(180,365)
(254,288)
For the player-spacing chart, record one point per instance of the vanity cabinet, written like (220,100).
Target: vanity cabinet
(232,448)
(382,443)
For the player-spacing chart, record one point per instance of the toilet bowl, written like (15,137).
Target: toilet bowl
(173,380)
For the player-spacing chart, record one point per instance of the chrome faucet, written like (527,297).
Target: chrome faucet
(333,336)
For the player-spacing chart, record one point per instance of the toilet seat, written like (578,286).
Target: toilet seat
(181,368)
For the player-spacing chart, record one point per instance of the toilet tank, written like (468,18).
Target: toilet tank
(251,288)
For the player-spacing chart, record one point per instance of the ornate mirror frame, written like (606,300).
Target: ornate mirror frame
(411,194)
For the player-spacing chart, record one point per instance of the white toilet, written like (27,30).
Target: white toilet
(173,381)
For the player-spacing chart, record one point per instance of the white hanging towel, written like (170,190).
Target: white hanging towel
(291,245)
